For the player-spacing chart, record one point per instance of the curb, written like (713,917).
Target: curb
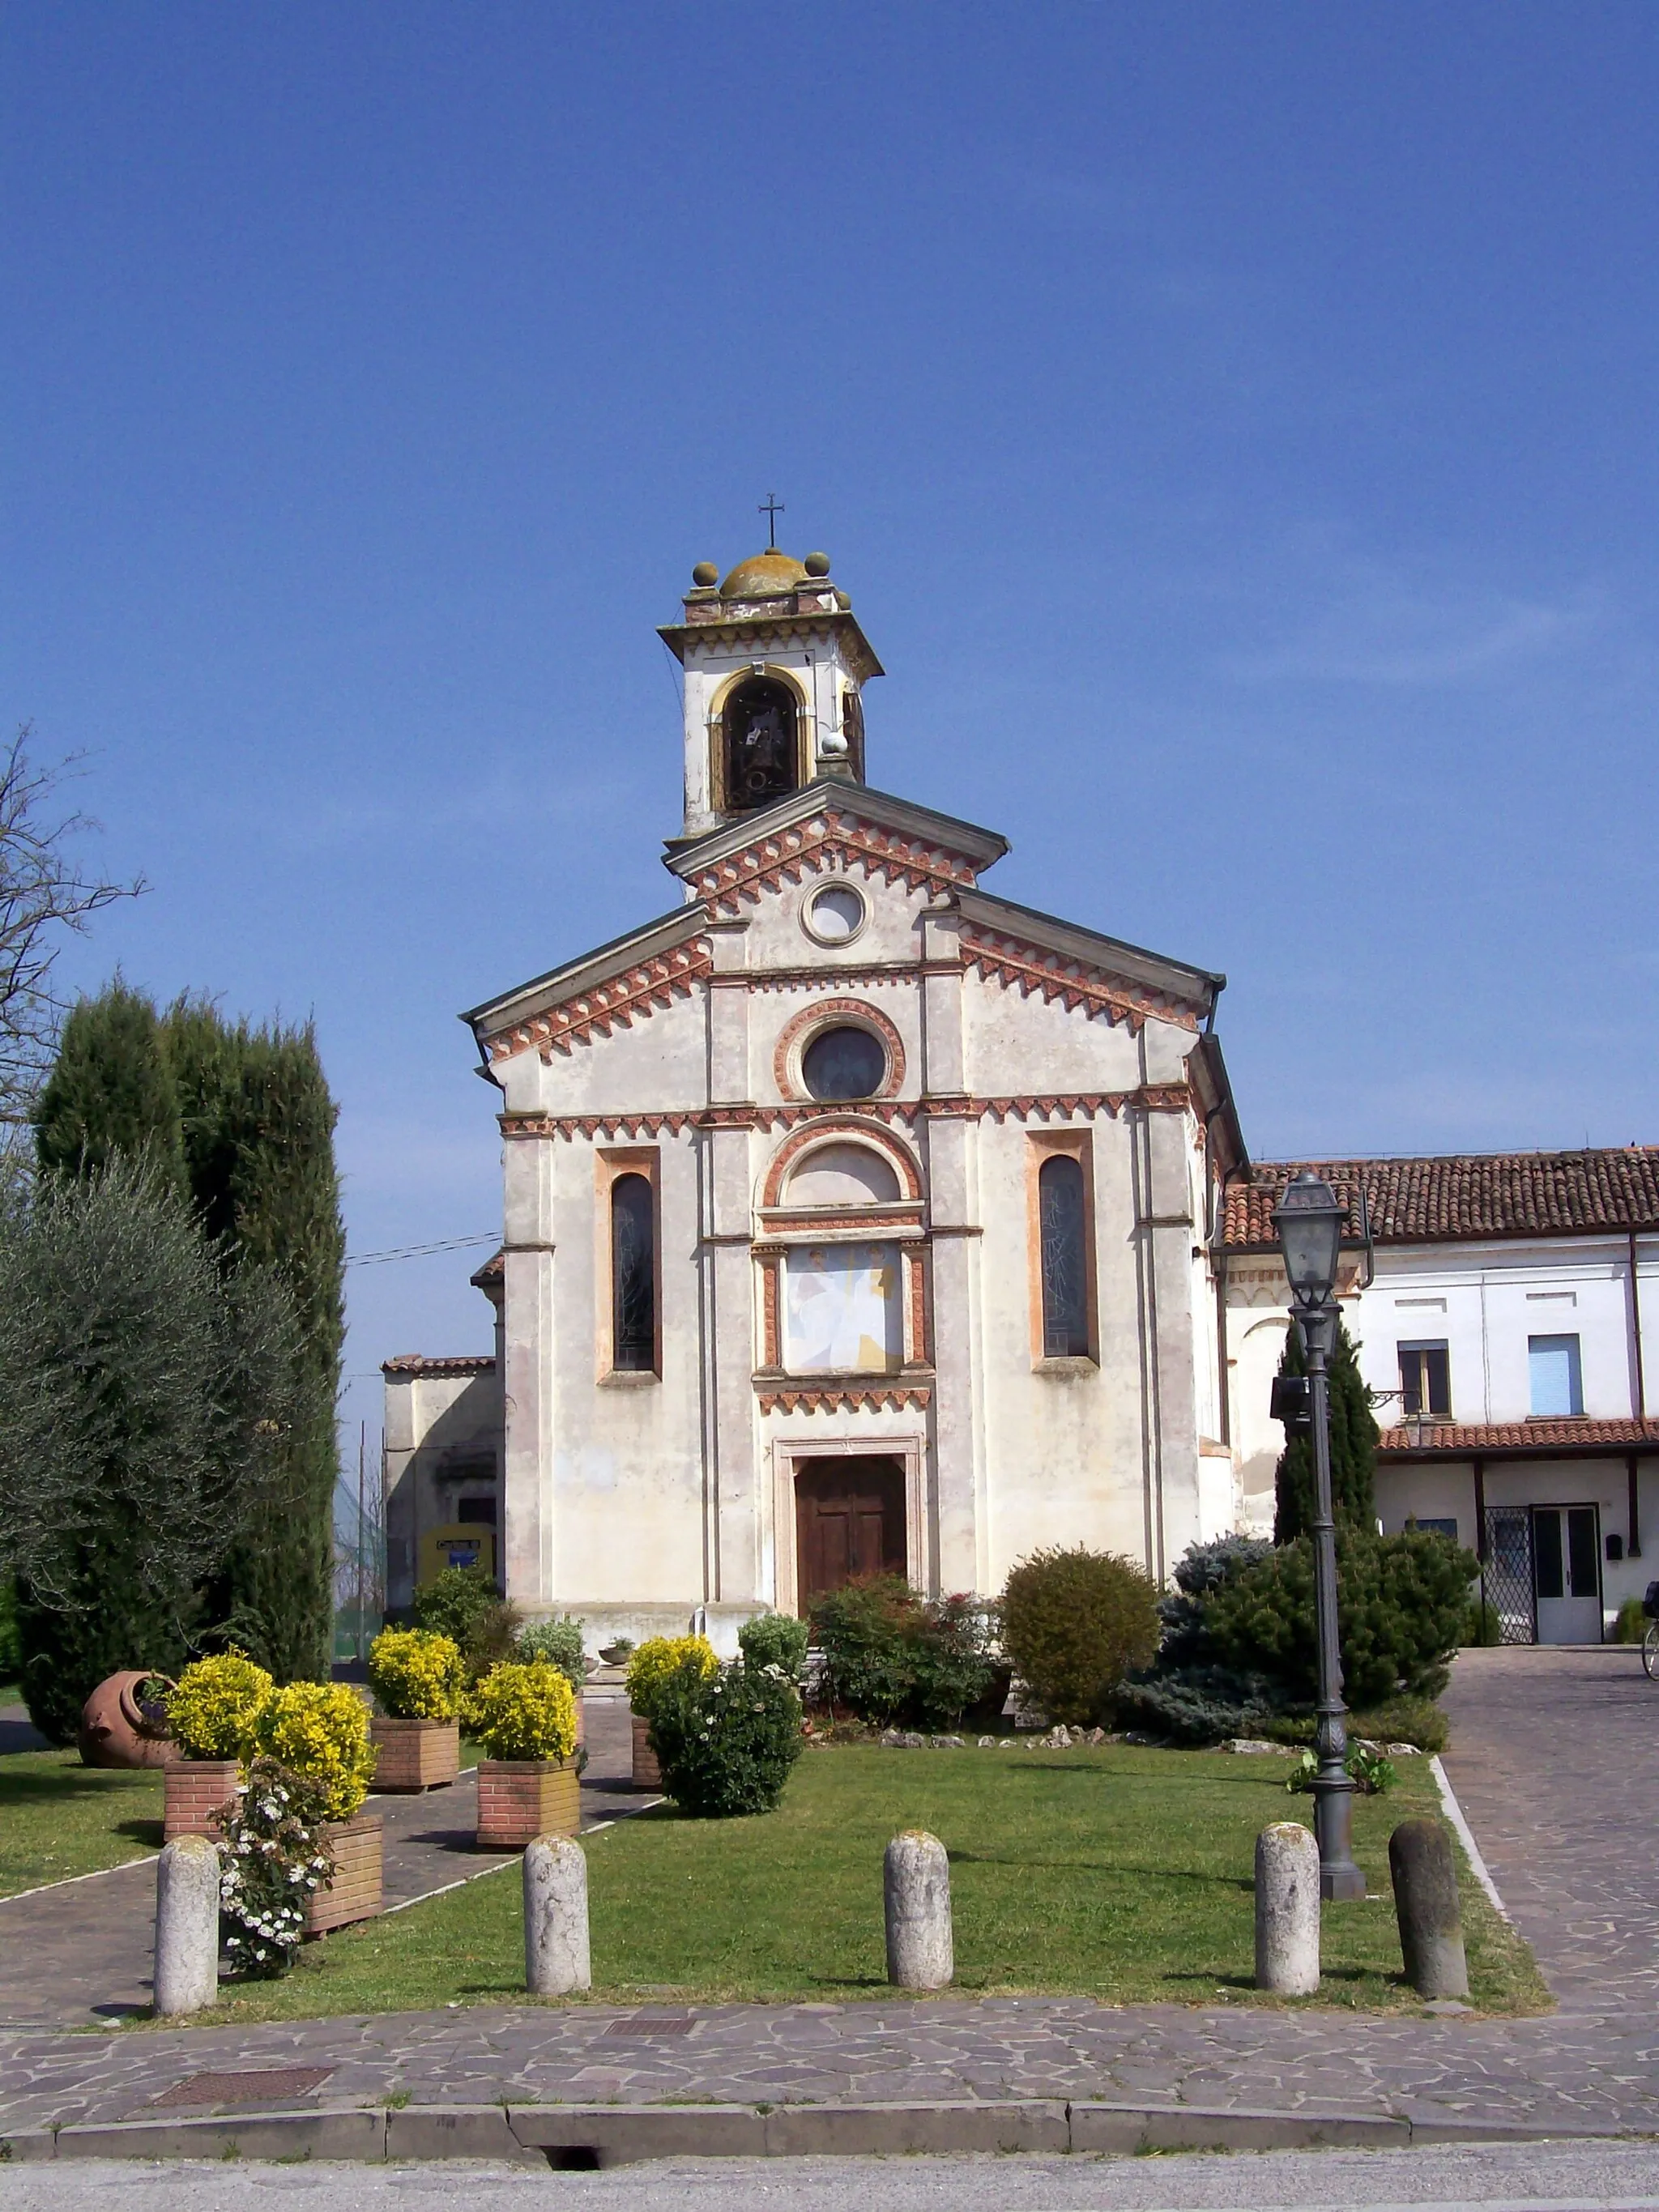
(563,2135)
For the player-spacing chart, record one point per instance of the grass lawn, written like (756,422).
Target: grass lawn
(1118,1874)
(59,1818)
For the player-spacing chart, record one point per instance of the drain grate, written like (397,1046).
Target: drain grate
(276,2085)
(632,2031)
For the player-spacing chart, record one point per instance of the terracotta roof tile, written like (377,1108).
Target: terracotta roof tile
(419,1363)
(1466,1194)
(1413,1439)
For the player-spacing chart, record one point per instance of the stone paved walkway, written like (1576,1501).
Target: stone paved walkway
(1555,1759)
(1536,1801)
(80,1952)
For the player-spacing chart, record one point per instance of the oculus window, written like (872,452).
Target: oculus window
(1552,1369)
(841,1310)
(843,1063)
(1062,1229)
(834,914)
(633,1275)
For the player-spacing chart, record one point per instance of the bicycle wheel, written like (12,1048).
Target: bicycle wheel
(1650,1653)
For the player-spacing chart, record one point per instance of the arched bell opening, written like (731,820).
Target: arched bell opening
(760,744)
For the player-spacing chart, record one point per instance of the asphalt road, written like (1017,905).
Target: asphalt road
(1521,2178)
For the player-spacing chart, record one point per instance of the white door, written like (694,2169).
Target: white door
(1566,1557)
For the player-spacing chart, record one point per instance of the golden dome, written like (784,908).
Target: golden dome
(767,576)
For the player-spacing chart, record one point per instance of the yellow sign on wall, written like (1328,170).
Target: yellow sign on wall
(462,1544)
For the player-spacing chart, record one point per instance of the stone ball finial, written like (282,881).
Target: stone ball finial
(817,564)
(704,575)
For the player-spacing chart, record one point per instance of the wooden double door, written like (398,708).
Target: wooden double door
(849,1522)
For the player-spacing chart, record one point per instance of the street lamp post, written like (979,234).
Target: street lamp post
(1309,1219)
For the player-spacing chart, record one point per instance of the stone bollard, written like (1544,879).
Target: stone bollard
(555,1950)
(186,1975)
(919,1953)
(1287,1910)
(1424,1876)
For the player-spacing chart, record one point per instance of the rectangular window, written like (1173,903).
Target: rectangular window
(1426,1380)
(1435,1525)
(1552,1365)
(841,1310)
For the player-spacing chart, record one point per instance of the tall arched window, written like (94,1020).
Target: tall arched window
(1062,1211)
(760,757)
(633,1275)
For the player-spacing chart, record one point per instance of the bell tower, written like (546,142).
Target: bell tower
(774,666)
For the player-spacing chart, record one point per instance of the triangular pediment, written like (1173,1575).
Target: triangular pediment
(828,821)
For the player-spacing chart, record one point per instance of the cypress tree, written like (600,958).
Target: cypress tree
(1353,1447)
(262,1161)
(111,1091)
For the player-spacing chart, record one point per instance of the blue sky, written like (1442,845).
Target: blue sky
(1235,427)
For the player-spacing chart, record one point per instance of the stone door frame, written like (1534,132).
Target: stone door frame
(787,1454)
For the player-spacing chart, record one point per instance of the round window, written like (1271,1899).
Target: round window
(834,914)
(843,1063)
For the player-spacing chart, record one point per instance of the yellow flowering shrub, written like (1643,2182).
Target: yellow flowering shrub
(662,1656)
(526,1710)
(213,1711)
(416,1675)
(320,1731)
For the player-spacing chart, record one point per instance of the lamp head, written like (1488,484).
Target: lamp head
(1309,1218)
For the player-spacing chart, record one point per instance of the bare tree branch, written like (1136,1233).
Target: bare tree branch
(45,895)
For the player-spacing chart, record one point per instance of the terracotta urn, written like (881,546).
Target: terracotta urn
(197,1790)
(116,1731)
(354,1892)
(519,1799)
(414,1755)
(647,1775)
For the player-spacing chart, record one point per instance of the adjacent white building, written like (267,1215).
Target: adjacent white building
(855,1217)
(1503,1339)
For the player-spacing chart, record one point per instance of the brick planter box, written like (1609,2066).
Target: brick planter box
(414,1755)
(647,1775)
(195,1789)
(355,1892)
(519,1799)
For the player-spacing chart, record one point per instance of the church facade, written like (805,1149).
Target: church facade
(855,1218)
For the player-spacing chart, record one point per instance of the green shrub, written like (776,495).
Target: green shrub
(455,1601)
(726,1742)
(1484,1625)
(1074,1623)
(11,1644)
(1200,1572)
(464,1604)
(1402,1605)
(1630,1626)
(862,1630)
(559,1642)
(1195,1705)
(1403,1720)
(775,1639)
(951,1668)
(891,1657)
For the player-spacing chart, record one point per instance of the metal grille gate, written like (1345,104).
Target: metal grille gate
(1507,1582)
